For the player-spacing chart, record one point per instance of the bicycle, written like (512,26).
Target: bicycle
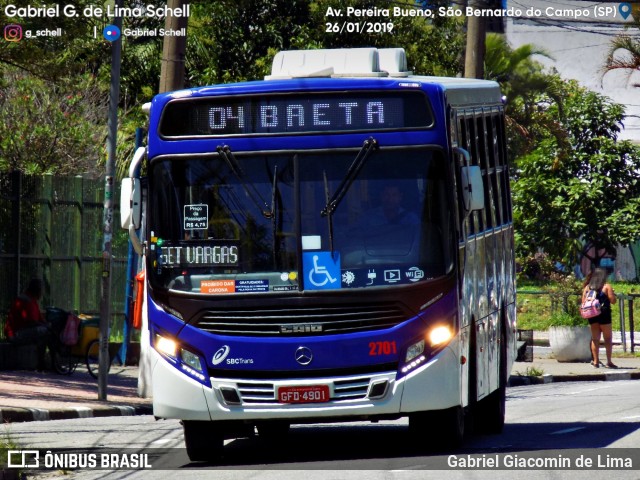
(92,358)
(63,359)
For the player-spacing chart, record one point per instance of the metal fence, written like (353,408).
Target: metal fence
(52,228)
(541,304)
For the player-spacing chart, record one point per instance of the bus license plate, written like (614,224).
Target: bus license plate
(304,394)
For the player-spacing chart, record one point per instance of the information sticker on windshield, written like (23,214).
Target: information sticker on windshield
(196,217)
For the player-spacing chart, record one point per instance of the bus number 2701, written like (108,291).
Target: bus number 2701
(382,348)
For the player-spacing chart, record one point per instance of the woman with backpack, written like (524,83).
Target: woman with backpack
(601,324)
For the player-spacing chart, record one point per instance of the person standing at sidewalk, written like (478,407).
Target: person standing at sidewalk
(601,324)
(25,322)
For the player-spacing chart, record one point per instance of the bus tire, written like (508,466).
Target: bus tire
(203,441)
(452,425)
(439,429)
(491,410)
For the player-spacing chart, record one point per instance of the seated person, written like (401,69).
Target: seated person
(384,235)
(25,322)
(390,211)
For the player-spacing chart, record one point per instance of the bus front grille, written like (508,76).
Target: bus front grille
(301,321)
(343,389)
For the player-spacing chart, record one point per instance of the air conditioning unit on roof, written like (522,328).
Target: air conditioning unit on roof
(344,62)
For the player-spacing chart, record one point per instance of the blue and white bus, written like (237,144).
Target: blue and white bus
(333,243)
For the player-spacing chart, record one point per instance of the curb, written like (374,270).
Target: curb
(15,415)
(521,380)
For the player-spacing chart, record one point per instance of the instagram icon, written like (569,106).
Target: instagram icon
(13,33)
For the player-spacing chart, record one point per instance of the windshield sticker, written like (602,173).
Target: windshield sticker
(321,270)
(244,286)
(285,288)
(214,287)
(196,217)
(382,276)
(218,255)
(415,274)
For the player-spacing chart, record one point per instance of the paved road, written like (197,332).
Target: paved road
(558,420)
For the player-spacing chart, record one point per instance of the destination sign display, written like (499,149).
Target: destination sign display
(295,113)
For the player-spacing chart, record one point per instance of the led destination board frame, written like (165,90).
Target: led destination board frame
(281,114)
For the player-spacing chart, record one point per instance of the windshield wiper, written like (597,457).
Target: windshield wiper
(225,152)
(367,149)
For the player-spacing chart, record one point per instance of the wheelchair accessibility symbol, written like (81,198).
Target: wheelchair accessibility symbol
(322,270)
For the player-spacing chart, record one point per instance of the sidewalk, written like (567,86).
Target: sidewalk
(28,395)
(554,371)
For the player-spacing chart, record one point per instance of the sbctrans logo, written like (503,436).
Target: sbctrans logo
(23,459)
(13,32)
(220,355)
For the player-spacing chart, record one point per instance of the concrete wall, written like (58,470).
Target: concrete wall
(579,47)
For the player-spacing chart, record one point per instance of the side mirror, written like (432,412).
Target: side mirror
(130,203)
(472,188)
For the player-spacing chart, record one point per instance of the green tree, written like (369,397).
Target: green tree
(50,127)
(522,79)
(579,187)
(624,54)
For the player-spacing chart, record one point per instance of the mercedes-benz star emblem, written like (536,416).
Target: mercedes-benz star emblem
(304,355)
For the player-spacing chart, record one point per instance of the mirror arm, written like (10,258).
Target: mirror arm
(135,241)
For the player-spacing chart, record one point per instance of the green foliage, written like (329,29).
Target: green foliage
(50,127)
(232,41)
(7,443)
(537,266)
(532,372)
(564,319)
(624,54)
(579,187)
(521,79)
(433,47)
(227,41)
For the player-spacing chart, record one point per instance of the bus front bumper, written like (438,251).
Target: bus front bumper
(433,386)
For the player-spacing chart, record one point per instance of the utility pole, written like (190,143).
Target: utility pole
(174,48)
(476,33)
(109,188)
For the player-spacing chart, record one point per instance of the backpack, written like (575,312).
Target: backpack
(69,336)
(591,306)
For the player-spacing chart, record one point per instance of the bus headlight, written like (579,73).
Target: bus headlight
(191,360)
(414,350)
(166,346)
(419,352)
(185,360)
(440,335)
(192,365)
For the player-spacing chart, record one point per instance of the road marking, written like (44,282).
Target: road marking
(162,441)
(568,430)
(588,390)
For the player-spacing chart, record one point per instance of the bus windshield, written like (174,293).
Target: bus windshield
(241,223)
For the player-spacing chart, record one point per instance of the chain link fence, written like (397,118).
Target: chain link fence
(53,230)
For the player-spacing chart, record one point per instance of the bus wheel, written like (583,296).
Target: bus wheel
(491,409)
(204,443)
(437,430)
(452,424)
(491,412)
